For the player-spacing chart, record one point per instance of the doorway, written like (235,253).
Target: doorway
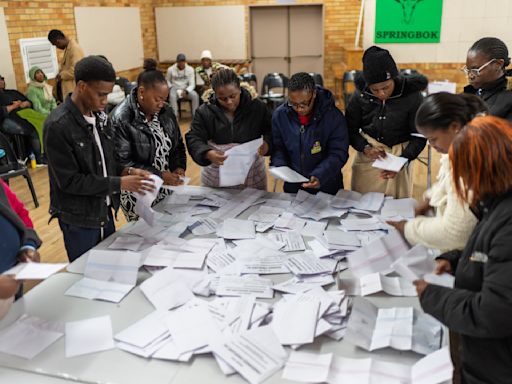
(286,39)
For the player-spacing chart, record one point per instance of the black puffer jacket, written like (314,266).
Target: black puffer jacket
(391,122)
(480,306)
(252,120)
(135,146)
(496,96)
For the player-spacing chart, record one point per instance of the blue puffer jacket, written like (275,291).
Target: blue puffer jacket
(319,148)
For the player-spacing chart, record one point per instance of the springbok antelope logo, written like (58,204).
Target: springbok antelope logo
(408,7)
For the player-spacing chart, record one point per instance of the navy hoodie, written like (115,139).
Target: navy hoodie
(318,149)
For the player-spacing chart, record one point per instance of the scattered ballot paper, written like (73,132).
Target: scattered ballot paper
(28,336)
(88,336)
(390,163)
(245,285)
(34,271)
(287,174)
(307,367)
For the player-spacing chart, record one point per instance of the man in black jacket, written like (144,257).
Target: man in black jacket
(85,180)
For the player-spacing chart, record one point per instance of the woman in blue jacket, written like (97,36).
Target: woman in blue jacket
(310,136)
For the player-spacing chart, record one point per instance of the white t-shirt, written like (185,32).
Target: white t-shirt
(92,120)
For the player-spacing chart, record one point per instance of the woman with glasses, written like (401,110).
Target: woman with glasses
(479,306)
(485,68)
(310,136)
(380,117)
(148,136)
(230,116)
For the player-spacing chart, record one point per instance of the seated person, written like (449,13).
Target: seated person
(147,135)
(380,118)
(231,116)
(486,64)
(18,118)
(205,71)
(181,77)
(309,135)
(40,93)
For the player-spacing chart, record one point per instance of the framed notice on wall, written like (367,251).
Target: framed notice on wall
(408,21)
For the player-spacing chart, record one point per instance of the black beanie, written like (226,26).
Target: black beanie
(378,65)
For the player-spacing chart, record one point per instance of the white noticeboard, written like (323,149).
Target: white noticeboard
(114,32)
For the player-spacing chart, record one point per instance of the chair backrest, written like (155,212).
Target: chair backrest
(12,161)
(317,78)
(274,80)
(408,72)
(348,84)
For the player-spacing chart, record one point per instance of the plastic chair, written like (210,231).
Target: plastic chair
(249,78)
(317,78)
(271,82)
(14,168)
(348,85)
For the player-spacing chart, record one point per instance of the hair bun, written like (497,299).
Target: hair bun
(150,65)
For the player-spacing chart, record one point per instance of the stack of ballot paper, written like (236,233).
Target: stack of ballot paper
(398,209)
(109,275)
(287,174)
(372,328)
(309,367)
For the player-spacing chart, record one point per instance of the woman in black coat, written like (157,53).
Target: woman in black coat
(485,68)
(231,115)
(148,136)
(479,307)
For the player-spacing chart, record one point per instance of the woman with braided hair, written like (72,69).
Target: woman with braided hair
(485,68)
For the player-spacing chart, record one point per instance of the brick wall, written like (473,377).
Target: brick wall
(35,18)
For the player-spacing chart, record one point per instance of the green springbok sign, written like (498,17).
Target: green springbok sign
(408,21)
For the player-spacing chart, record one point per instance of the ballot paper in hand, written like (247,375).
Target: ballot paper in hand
(376,282)
(28,336)
(390,163)
(287,174)
(400,208)
(238,163)
(88,336)
(34,271)
(145,201)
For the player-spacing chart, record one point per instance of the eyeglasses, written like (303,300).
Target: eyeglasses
(475,71)
(301,105)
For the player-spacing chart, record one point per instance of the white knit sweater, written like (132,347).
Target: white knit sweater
(454,221)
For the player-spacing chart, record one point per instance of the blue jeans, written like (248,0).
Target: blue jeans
(79,240)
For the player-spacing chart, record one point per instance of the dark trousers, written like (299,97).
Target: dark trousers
(79,240)
(15,125)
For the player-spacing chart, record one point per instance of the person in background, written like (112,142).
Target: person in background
(14,105)
(148,136)
(205,71)
(380,118)
(72,54)
(181,77)
(40,92)
(309,135)
(485,68)
(230,116)
(85,180)
(479,307)
(440,118)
